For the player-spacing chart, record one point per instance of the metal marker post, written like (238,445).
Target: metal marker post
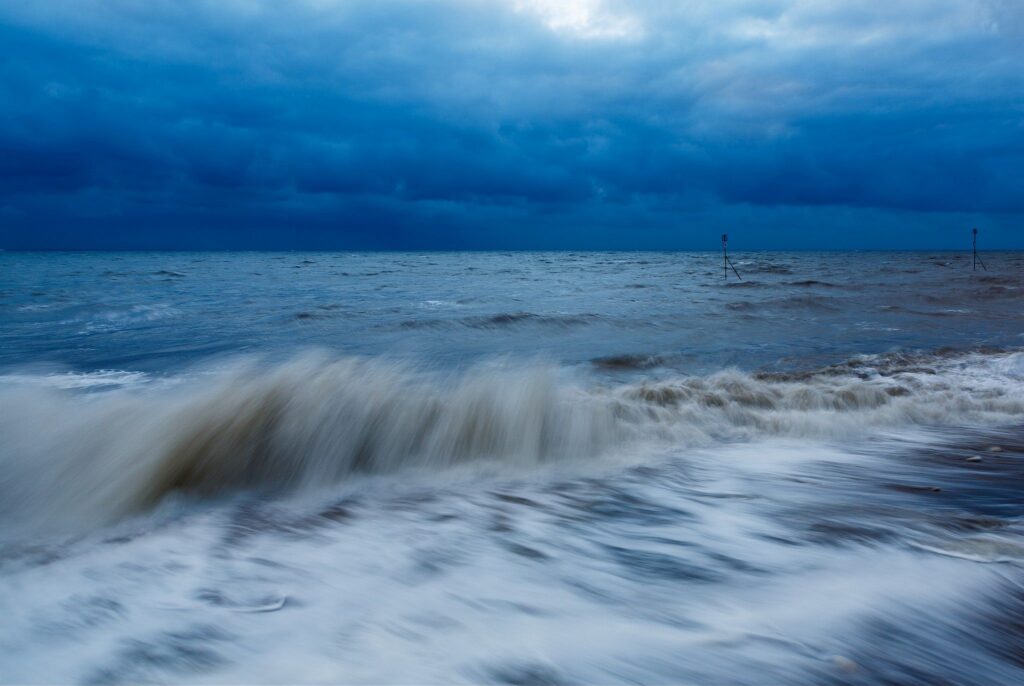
(725,256)
(977,258)
(726,262)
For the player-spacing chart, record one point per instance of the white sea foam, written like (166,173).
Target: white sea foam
(115,320)
(621,579)
(102,378)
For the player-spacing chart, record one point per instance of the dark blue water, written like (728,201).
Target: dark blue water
(159,311)
(514,468)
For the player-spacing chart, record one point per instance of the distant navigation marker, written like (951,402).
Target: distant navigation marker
(726,262)
(977,258)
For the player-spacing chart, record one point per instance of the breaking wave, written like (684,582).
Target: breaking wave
(316,420)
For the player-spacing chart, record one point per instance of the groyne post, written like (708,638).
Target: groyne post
(977,258)
(726,262)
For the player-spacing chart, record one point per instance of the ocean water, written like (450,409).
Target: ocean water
(511,468)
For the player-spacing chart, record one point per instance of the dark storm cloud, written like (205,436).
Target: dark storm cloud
(507,123)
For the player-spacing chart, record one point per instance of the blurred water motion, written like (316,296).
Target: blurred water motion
(520,469)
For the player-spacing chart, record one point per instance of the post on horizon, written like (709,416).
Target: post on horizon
(725,256)
(726,262)
(977,258)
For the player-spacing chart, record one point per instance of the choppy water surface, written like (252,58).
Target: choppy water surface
(511,468)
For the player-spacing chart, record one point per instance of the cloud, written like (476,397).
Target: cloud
(415,123)
(589,19)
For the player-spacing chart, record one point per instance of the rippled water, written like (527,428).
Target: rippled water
(164,311)
(511,468)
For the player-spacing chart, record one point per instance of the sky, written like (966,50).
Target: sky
(511,124)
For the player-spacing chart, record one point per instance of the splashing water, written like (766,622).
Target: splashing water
(663,503)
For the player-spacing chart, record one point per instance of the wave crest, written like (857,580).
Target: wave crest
(316,420)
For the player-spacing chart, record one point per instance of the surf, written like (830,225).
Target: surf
(318,419)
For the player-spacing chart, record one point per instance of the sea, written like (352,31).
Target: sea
(511,468)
